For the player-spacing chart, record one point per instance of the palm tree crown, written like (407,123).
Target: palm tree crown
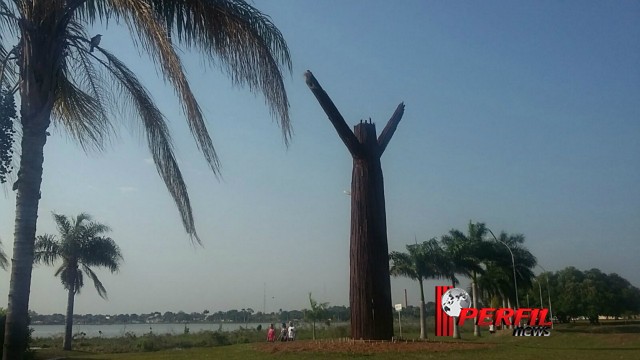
(81,247)
(465,253)
(85,89)
(420,262)
(499,275)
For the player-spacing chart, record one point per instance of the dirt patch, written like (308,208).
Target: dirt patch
(366,347)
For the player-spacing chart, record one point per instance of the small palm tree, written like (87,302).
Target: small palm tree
(317,312)
(420,262)
(81,246)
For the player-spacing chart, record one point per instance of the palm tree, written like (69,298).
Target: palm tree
(81,246)
(495,283)
(59,80)
(420,262)
(524,261)
(466,254)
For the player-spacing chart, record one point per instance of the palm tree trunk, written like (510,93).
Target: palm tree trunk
(36,93)
(474,294)
(504,305)
(423,318)
(68,326)
(509,306)
(456,329)
(27,200)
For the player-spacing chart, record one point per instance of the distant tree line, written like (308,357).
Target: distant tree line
(589,294)
(332,313)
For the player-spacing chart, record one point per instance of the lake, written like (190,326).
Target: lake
(40,331)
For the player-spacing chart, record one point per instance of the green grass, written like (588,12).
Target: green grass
(564,343)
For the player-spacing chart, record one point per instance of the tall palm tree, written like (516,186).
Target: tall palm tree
(420,262)
(466,254)
(60,81)
(81,246)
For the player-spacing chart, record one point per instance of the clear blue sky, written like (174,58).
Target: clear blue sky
(522,115)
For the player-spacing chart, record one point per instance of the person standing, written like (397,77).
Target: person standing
(283,333)
(291,331)
(271,334)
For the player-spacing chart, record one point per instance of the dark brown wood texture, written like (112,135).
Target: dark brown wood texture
(370,284)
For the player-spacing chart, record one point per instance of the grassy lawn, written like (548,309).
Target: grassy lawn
(564,344)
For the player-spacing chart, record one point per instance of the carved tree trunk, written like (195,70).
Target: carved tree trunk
(370,289)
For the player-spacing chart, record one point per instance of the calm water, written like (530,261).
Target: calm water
(137,329)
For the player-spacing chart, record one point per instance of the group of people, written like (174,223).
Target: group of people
(287,333)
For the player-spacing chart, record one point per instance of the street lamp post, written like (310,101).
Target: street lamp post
(513,262)
(539,289)
(548,294)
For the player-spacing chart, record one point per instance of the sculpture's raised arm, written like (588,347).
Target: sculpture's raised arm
(387,133)
(334,115)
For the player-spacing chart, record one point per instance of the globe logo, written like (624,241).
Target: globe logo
(454,300)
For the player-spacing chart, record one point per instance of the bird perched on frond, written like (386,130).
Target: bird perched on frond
(95,41)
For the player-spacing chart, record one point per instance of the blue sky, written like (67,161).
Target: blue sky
(525,116)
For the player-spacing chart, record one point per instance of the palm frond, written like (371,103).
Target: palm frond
(153,38)
(91,229)
(8,18)
(4,262)
(402,265)
(70,277)
(246,43)
(233,34)
(101,251)
(79,281)
(62,223)
(158,137)
(82,218)
(80,105)
(81,115)
(96,282)
(46,250)
(462,254)
(8,69)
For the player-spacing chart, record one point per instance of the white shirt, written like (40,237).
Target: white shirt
(292,332)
